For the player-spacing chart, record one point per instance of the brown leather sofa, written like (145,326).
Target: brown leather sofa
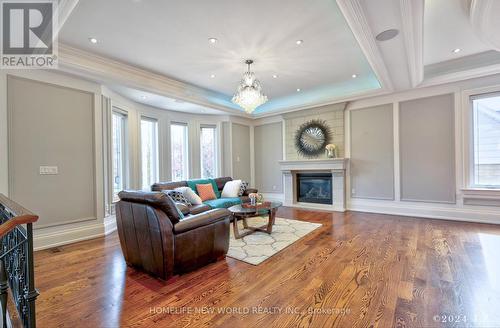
(156,239)
(196,209)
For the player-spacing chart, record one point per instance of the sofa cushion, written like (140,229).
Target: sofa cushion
(192,184)
(177,196)
(206,191)
(231,189)
(196,209)
(243,187)
(200,220)
(190,195)
(223,202)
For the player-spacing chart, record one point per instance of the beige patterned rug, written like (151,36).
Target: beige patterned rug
(259,246)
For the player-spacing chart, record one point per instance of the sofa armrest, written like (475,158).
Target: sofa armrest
(248,191)
(202,219)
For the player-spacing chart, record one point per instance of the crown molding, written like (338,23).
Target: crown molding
(355,16)
(94,67)
(412,17)
(102,69)
(460,76)
(358,96)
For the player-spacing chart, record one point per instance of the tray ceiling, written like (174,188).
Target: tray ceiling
(171,38)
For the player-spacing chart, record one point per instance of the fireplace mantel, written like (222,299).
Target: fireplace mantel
(336,166)
(314,164)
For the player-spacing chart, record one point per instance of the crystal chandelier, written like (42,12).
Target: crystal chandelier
(249,94)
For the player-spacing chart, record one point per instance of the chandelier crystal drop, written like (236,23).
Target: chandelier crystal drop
(249,93)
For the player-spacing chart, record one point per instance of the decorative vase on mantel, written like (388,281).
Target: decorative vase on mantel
(331,151)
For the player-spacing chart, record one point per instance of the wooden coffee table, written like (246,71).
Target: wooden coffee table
(242,213)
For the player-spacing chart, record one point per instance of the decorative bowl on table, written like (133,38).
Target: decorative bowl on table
(257,206)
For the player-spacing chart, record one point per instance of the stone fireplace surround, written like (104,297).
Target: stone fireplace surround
(337,168)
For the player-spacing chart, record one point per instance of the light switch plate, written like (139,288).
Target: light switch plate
(48,170)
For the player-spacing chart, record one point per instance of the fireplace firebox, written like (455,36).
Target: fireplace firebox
(314,188)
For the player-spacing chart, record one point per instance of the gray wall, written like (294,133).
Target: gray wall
(333,115)
(52,126)
(241,152)
(268,151)
(226,150)
(427,149)
(372,153)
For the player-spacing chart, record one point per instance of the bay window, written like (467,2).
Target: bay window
(119,148)
(179,151)
(208,151)
(485,141)
(149,152)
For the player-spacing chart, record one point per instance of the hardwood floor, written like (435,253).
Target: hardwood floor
(357,270)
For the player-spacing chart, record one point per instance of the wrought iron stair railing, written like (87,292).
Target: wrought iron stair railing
(16,261)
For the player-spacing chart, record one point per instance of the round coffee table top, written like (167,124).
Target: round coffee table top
(240,210)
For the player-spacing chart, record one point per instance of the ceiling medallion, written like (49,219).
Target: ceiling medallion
(249,94)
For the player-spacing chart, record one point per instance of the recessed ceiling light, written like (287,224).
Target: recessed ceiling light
(299,42)
(143,97)
(212,40)
(275,76)
(93,40)
(212,76)
(179,101)
(298,90)
(457,50)
(387,34)
(354,76)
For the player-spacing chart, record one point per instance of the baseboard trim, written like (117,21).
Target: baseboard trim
(54,236)
(428,211)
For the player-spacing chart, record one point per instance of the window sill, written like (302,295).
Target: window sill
(481,190)
(483,193)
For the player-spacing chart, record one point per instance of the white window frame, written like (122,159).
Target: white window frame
(124,154)
(186,164)
(216,148)
(470,189)
(472,179)
(156,155)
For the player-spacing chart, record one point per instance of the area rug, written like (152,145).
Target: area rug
(259,246)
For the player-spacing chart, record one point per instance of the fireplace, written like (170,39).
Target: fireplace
(314,188)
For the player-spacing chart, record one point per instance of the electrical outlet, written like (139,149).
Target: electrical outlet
(49,170)
(274,187)
(237,158)
(353,191)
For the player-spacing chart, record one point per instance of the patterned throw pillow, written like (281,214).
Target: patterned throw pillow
(178,197)
(243,187)
(206,191)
